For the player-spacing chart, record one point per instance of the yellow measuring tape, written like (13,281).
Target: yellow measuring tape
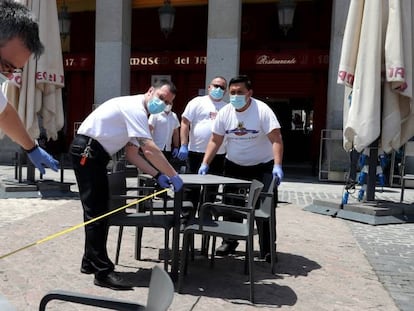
(52,236)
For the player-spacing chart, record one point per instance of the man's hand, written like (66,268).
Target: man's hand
(40,158)
(174,153)
(278,172)
(163,181)
(203,169)
(177,182)
(183,153)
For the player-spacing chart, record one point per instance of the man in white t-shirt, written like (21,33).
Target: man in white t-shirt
(117,123)
(164,128)
(196,125)
(253,142)
(19,39)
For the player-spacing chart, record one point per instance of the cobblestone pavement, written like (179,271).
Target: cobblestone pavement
(325,263)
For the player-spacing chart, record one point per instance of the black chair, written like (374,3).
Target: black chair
(147,218)
(160,296)
(265,216)
(407,169)
(205,225)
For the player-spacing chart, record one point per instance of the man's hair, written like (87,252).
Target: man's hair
(17,21)
(241,79)
(161,82)
(219,77)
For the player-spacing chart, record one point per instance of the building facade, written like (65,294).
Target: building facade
(117,48)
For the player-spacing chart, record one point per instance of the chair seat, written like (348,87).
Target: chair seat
(218,228)
(261,214)
(408,177)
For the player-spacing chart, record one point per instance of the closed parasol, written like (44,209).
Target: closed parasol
(36,93)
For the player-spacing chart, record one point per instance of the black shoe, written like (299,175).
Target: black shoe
(227,248)
(113,281)
(88,269)
(268,258)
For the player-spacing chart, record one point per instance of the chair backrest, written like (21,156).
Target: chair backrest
(117,187)
(254,193)
(408,160)
(5,305)
(161,290)
(269,197)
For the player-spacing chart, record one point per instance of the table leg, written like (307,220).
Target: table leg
(178,202)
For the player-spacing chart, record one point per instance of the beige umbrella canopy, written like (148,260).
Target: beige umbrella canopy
(376,69)
(37,92)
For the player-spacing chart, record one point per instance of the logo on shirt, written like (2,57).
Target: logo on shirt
(213,115)
(240,130)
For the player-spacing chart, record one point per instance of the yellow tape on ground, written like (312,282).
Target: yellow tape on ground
(52,236)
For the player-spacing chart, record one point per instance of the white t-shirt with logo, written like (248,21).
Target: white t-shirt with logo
(246,132)
(116,122)
(201,111)
(163,125)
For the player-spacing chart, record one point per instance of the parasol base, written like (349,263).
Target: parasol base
(372,213)
(11,188)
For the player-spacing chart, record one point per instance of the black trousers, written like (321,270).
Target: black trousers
(216,167)
(93,190)
(257,172)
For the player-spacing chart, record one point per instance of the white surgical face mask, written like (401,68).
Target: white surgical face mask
(156,105)
(168,108)
(238,101)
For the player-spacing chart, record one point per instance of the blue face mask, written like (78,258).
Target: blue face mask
(156,105)
(216,93)
(3,78)
(238,101)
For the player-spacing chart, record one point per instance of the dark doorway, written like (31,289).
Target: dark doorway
(296,120)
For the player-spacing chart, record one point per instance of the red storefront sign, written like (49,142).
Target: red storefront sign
(261,60)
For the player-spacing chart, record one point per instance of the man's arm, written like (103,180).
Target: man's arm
(153,154)
(13,127)
(176,138)
(275,137)
(212,147)
(184,130)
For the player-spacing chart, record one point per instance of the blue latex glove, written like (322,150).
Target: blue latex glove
(41,159)
(278,172)
(177,182)
(183,153)
(203,169)
(163,181)
(174,153)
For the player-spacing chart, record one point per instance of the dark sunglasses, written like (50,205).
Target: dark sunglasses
(220,86)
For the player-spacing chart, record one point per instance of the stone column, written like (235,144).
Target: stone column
(223,38)
(112,49)
(334,109)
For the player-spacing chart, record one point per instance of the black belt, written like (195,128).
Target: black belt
(88,147)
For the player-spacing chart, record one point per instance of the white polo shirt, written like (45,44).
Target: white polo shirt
(201,111)
(116,122)
(163,125)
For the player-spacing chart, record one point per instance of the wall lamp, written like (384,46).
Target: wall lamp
(286,12)
(167,15)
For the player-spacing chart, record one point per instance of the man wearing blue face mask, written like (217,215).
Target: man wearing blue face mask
(253,142)
(117,123)
(196,124)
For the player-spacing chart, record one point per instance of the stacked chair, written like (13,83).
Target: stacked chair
(160,296)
